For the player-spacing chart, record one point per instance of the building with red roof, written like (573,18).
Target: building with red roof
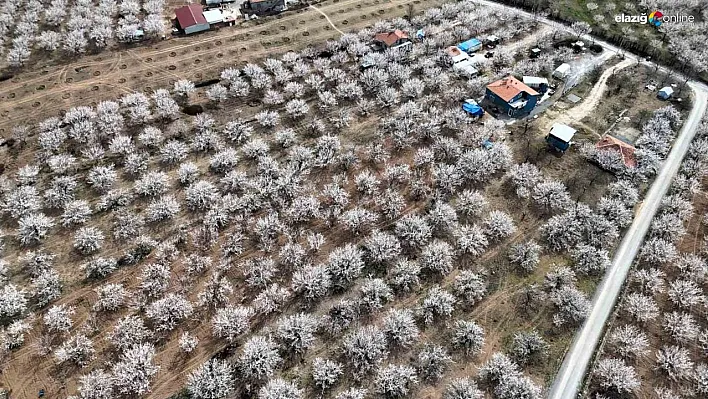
(391,39)
(511,96)
(626,150)
(191,19)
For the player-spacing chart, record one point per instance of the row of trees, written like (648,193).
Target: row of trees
(277,207)
(664,301)
(74,28)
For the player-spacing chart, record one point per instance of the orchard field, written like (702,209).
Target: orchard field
(303,228)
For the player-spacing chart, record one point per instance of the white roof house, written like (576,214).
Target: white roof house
(562,71)
(213,16)
(534,81)
(562,132)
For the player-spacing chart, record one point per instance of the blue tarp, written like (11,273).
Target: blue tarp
(470,45)
(473,109)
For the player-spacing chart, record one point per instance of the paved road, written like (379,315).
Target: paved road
(570,377)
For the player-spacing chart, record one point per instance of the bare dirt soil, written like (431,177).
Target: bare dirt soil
(627,96)
(589,103)
(147,68)
(45,90)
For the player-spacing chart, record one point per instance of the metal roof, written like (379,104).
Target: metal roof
(391,38)
(534,80)
(562,132)
(190,15)
(509,87)
(469,44)
(563,68)
(213,16)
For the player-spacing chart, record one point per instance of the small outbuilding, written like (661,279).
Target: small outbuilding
(190,19)
(560,137)
(136,36)
(466,68)
(470,46)
(665,93)
(461,61)
(626,150)
(562,71)
(263,7)
(537,83)
(214,16)
(535,52)
(456,55)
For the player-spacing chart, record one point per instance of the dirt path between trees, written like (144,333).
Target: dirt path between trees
(35,94)
(577,113)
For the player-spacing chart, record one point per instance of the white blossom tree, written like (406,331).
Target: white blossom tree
(135,369)
(395,381)
(214,379)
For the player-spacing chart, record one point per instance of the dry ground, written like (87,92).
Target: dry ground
(691,243)
(45,89)
(627,96)
(499,313)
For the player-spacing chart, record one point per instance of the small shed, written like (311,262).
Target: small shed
(263,7)
(470,46)
(562,71)
(213,16)
(230,14)
(466,68)
(456,55)
(665,93)
(535,52)
(560,136)
(137,35)
(537,83)
(191,19)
